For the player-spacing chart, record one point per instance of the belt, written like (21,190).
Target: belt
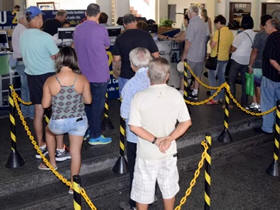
(19,59)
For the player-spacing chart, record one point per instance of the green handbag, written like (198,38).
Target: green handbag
(250,87)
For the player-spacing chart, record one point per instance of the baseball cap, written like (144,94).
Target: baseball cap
(32,12)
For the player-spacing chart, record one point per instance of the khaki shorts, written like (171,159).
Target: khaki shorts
(147,172)
(197,68)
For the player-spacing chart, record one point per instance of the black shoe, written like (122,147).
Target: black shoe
(259,130)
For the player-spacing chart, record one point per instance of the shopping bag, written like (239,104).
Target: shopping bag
(250,88)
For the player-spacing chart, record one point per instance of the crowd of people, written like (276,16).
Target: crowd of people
(72,82)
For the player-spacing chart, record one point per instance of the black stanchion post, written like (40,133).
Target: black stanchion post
(120,166)
(106,120)
(77,199)
(225,136)
(273,169)
(207,173)
(14,160)
(185,82)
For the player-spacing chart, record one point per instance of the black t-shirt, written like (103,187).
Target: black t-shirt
(272,51)
(126,42)
(51,26)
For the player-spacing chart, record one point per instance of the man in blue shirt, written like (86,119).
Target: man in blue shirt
(139,60)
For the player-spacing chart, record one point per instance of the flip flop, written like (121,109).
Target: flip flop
(43,167)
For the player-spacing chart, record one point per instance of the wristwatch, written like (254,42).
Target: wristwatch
(154,141)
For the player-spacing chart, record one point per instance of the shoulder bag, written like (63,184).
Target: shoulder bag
(211,62)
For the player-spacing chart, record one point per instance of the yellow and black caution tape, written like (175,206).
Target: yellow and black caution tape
(244,109)
(208,99)
(45,160)
(19,99)
(196,175)
(198,79)
(227,87)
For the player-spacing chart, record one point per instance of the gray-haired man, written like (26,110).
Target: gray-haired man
(139,61)
(154,113)
(194,50)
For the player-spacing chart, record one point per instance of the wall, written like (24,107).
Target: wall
(106,6)
(122,7)
(6,5)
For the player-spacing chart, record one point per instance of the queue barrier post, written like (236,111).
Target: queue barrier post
(106,120)
(121,166)
(225,136)
(15,160)
(207,173)
(273,168)
(186,85)
(77,198)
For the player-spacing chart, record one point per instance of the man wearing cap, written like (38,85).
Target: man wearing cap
(127,41)
(91,41)
(38,51)
(27,111)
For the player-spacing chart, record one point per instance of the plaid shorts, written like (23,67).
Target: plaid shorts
(147,172)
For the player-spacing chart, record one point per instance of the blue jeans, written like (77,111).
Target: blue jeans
(270,94)
(219,73)
(95,110)
(75,126)
(122,82)
(236,68)
(27,111)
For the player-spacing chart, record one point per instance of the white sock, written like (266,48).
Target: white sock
(60,150)
(195,91)
(43,147)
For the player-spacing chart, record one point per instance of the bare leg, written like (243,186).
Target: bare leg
(182,84)
(196,85)
(51,143)
(169,203)
(60,143)
(141,206)
(75,151)
(258,95)
(38,124)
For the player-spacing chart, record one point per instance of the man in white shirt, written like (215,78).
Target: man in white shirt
(241,48)
(27,111)
(154,113)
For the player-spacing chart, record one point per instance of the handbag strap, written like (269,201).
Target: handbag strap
(249,37)
(218,42)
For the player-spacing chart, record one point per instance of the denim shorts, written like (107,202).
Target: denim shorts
(76,126)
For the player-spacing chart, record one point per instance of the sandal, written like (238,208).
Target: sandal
(43,167)
(212,102)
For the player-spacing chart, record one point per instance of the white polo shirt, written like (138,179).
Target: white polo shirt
(243,42)
(18,31)
(157,109)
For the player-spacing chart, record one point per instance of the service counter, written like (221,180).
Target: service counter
(7,77)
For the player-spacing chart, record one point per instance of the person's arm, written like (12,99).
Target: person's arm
(116,65)
(181,128)
(186,50)
(275,64)
(87,98)
(210,26)
(214,40)
(47,97)
(180,37)
(253,56)
(155,54)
